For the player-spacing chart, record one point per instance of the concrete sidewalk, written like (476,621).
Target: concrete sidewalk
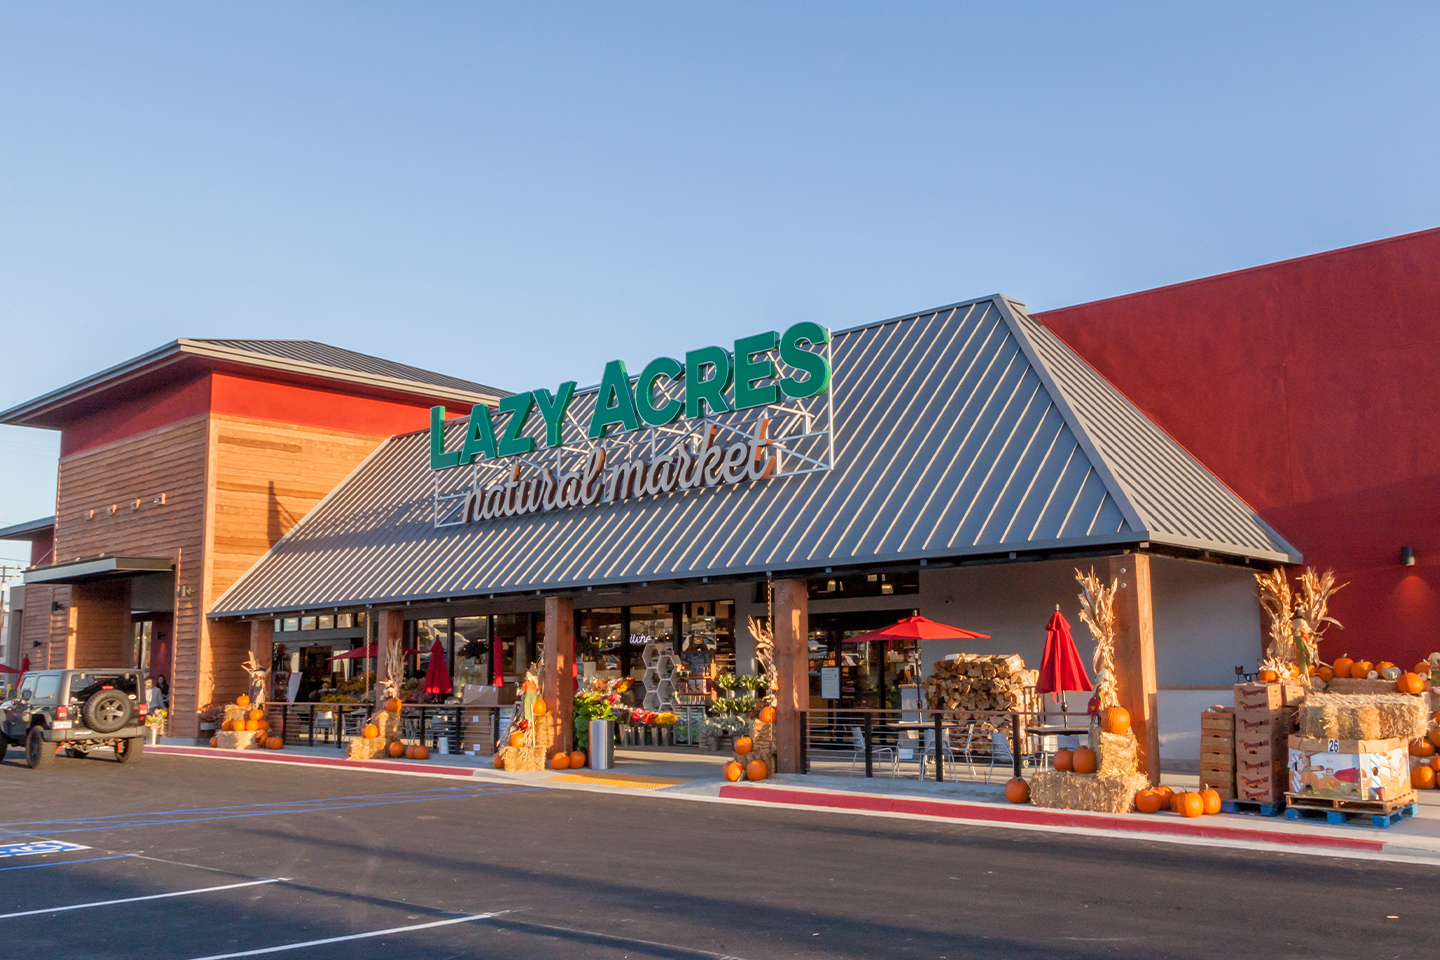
(686,775)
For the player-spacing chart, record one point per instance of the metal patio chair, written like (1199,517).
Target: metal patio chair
(877,753)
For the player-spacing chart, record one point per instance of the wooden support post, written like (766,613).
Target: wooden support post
(1135,655)
(792,670)
(557,683)
(389,634)
(262,646)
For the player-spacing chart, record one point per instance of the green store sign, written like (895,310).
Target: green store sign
(711,381)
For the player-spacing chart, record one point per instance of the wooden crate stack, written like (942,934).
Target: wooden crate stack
(1264,720)
(1217,750)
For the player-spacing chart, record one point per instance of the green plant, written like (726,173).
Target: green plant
(587,707)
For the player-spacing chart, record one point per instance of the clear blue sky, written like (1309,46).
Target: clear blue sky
(517,193)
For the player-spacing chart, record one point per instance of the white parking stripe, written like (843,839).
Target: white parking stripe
(153,896)
(354,936)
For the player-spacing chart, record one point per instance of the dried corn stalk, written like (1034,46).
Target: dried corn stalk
(765,653)
(257,680)
(394,669)
(1312,610)
(1097,611)
(1276,601)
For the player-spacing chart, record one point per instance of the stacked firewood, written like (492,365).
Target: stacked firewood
(978,682)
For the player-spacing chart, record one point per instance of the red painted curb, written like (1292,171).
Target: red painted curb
(1034,815)
(277,756)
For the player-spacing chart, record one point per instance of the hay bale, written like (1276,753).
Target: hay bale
(235,739)
(367,748)
(1338,716)
(527,759)
(1349,685)
(1116,755)
(235,712)
(1079,791)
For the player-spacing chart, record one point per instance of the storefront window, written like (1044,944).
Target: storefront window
(512,635)
(472,651)
(597,648)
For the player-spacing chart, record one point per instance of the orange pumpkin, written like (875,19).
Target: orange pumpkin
(1422,668)
(256,714)
(1436,716)
(756,770)
(1383,664)
(1435,762)
(1325,673)
(1342,666)
(252,725)
(1165,793)
(396,748)
(1191,805)
(214,741)
(393,705)
(1269,676)
(1435,737)
(225,725)
(410,751)
(744,745)
(274,743)
(1148,801)
(1422,748)
(243,700)
(1064,760)
(1084,760)
(561,761)
(767,714)
(733,771)
(577,759)
(540,708)
(371,731)
(1211,797)
(1017,791)
(1410,683)
(1361,669)
(1423,778)
(517,739)
(1117,721)
(262,724)
(422,752)
(498,762)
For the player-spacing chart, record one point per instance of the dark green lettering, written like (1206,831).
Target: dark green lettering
(817,365)
(553,410)
(748,370)
(514,440)
(479,436)
(614,404)
(709,391)
(670,410)
(439,459)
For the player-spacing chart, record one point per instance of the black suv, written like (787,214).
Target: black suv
(80,710)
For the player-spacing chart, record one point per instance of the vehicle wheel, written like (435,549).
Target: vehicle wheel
(38,753)
(4,746)
(106,711)
(130,749)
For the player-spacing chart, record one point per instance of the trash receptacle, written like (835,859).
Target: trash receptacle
(602,744)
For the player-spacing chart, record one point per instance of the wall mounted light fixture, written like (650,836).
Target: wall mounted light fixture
(1407,556)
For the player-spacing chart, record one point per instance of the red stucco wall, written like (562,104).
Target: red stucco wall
(1311,387)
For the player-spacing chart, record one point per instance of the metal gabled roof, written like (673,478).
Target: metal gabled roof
(301,358)
(965,430)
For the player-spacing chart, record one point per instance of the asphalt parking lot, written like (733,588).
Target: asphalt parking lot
(196,858)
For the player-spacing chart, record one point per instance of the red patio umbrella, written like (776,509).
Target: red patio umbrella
(1060,666)
(5,669)
(918,628)
(437,678)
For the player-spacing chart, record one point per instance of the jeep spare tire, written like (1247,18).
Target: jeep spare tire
(106,711)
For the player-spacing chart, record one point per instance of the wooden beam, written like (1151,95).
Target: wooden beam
(792,669)
(1135,655)
(557,682)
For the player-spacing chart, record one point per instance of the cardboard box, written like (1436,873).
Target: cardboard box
(1263,724)
(1266,696)
(1349,769)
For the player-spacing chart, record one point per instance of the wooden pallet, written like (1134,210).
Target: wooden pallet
(1381,813)
(1253,806)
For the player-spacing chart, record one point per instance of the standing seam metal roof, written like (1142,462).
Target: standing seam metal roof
(965,430)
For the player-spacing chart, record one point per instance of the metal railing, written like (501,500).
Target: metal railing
(935,740)
(332,724)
